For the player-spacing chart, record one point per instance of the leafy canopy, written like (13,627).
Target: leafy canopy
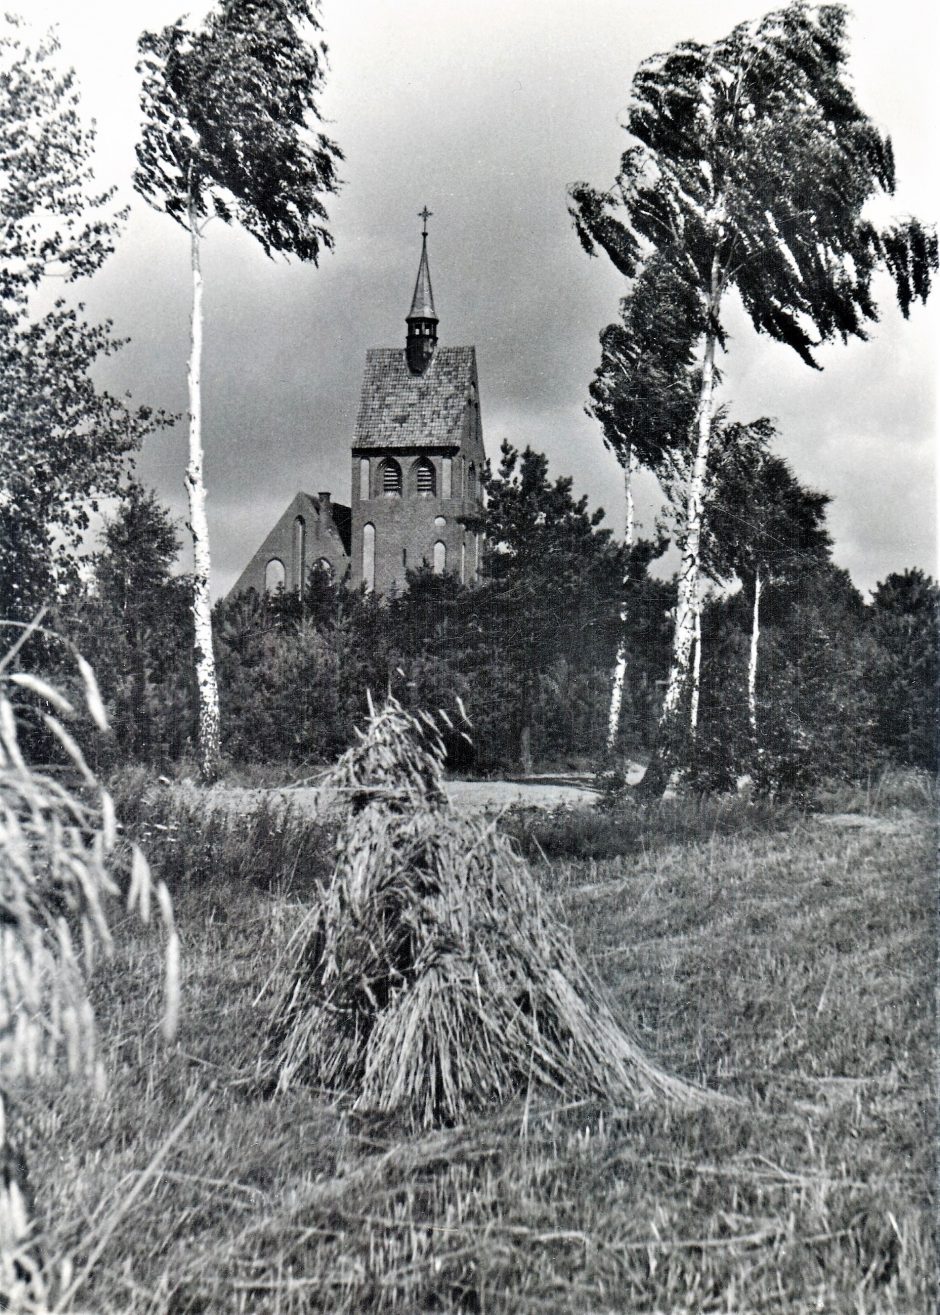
(228,115)
(64,443)
(759,518)
(751,166)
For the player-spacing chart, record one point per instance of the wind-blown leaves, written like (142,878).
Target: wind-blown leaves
(750,166)
(753,153)
(229,114)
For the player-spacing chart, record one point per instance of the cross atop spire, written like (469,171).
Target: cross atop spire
(422,318)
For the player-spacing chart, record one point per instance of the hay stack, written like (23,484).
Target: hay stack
(431,979)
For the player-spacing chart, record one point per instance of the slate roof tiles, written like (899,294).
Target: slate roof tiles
(399,409)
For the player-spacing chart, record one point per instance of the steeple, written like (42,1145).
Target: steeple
(422,319)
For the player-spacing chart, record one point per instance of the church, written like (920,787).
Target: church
(417,462)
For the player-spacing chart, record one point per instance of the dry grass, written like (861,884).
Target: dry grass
(432,980)
(61,870)
(793,968)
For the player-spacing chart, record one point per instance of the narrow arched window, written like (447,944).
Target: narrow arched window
(391,477)
(274,576)
(368,557)
(440,558)
(424,479)
(440,523)
(364,478)
(463,560)
(471,480)
(299,564)
(446,469)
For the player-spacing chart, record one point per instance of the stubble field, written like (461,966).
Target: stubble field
(785,960)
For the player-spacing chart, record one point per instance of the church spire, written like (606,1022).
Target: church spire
(422,318)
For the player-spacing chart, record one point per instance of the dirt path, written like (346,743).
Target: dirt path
(472,796)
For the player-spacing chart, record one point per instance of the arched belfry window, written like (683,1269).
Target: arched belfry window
(274,576)
(364,478)
(299,564)
(424,477)
(368,557)
(440,558)
(391,477)
(471,480)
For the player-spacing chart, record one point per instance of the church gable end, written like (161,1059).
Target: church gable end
(311,532)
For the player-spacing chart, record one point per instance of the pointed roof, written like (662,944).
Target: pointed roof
(422,303)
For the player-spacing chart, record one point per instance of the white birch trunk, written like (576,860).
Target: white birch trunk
(687,602)
(752,661)
(620,668)
(206,686)
(696,668)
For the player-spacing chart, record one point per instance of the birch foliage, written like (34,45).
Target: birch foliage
(750,167)
(229,133)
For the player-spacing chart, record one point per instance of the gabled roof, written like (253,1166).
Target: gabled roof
(398,408)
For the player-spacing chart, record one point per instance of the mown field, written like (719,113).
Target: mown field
(785,960)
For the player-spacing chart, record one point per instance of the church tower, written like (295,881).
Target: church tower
(417,454)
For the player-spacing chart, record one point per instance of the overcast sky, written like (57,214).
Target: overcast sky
(486,110)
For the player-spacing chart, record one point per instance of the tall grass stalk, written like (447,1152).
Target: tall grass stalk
(61,866)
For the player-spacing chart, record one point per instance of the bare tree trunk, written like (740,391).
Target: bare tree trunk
(620,668)
(525,747)
(206,685)
(689,571)
(752,661)
(696,668)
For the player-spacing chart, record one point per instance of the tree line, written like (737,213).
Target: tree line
(520,662)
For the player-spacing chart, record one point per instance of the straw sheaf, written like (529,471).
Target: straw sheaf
(432,979)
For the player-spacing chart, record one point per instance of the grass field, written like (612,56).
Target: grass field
(792,967)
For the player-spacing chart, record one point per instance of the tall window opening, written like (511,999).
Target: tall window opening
(274,576)
(391,477)
(471,480)
(440,558)
(364,478)
(368,557)
(299,563)
(446,476)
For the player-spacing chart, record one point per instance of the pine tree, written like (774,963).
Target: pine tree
(554,574)
(749,168)
(228,133)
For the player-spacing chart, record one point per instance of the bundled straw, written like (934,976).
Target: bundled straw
(431,979)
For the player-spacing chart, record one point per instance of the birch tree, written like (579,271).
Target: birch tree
(229,133)
(762,525)
(750,167)
(643,395)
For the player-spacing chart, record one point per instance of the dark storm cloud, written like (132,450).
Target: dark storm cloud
(486,111)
